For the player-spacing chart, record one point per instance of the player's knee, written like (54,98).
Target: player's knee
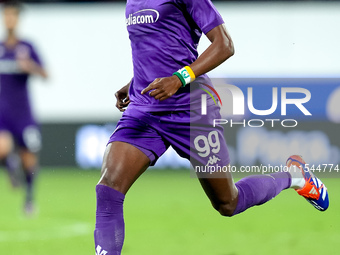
(108,178)
(226,208)
(4,152)
(6,144)
(111,178)
(29,160)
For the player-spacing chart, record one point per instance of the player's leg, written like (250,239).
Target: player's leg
(29,141)
(230,199)
(133,146)
(29,161)
(208,153)
(6,144)
(123,164)
(7,156)
(227,197)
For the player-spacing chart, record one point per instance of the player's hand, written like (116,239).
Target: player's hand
(163,88)
(122,97)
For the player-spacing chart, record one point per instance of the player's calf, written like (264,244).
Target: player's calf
(109,232)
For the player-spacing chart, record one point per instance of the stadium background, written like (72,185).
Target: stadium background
(86,49)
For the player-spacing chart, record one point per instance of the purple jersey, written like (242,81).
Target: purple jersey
(164,36)
(15,110)
(14,98)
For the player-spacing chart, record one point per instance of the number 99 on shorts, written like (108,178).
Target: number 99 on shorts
(207,144)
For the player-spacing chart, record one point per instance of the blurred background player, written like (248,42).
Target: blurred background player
(18,128)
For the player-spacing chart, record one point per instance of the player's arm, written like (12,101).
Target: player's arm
(31,67)
(220,49)
(122,97)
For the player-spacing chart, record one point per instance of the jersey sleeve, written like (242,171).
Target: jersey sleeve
(204,13)
(35,56)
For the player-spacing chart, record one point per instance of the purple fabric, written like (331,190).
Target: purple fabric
(14,99)
(109,232)
(258,189)
(153,133)
(164,37)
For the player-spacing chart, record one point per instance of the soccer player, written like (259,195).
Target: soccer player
(18,128)
(164,110)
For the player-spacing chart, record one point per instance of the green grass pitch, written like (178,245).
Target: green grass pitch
(166,213)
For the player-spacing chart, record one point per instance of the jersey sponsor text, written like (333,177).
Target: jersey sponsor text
(145,16)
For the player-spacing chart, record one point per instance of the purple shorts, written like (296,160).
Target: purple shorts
(25,132)
(191,134)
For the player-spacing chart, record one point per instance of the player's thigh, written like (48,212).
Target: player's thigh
(210,159)
(208,153)
(122,165)
(6,143)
